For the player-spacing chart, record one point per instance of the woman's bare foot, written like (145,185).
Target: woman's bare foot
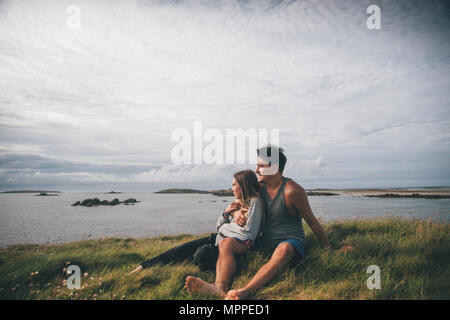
(137,270)
(199,286)
(239,294)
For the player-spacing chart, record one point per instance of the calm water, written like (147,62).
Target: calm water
(26,218)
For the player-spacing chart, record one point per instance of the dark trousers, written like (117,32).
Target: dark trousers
(182,252)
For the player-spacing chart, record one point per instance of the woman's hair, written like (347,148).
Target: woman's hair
(249,186)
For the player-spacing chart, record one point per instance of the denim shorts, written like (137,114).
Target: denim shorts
(298,245)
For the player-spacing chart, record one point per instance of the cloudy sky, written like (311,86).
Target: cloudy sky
(91,91)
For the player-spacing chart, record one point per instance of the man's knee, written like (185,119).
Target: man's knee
(284,252)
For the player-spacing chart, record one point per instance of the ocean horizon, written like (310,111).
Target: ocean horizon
(29,219)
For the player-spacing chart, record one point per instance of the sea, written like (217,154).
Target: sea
(29,219)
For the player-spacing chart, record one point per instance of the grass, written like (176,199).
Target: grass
(413,256)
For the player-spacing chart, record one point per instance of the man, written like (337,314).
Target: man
(287,204)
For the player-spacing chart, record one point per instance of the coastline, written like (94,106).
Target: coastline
(380,192)
(364,192)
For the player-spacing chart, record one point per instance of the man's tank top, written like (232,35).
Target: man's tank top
(280,224)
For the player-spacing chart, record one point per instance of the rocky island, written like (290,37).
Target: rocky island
(179,191)
(31,191)
(45,194)
(97,202)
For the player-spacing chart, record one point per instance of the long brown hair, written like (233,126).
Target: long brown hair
(249,186)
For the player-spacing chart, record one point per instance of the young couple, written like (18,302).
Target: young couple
(266,201)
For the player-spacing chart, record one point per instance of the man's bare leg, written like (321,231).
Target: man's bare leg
(225,269)
(281,257)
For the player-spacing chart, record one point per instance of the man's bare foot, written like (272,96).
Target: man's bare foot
(199,286)
(137,270)
(239,294)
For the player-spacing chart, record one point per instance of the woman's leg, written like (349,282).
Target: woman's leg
(177,254)
(229,249)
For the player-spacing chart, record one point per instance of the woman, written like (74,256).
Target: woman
(204,251)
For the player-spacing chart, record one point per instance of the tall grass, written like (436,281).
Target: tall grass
(413,257)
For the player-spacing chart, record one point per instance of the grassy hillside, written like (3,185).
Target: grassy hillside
(413,257)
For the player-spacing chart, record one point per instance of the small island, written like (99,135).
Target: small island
(223,193)
(40,192)
(178,191)
(97,202)
(45,194)
(320,193)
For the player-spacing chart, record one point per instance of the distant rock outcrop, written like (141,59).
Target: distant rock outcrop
(98,202)
(177,191)
(31,191)
(414,195)
(223,193)
(319,193)
(45,194)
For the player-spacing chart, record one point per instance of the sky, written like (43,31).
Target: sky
(91,92)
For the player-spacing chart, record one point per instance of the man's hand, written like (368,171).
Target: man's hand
(240,217)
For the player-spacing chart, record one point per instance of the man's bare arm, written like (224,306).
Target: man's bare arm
(297,199)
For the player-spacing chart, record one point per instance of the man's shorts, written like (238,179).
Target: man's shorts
(299,246)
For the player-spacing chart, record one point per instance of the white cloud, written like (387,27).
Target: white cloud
(113,91)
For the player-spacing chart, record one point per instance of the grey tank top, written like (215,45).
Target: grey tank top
(280,224)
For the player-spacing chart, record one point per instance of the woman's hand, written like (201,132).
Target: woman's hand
(235,205)
(240,217)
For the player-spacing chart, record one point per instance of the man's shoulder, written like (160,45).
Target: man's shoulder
(293,189)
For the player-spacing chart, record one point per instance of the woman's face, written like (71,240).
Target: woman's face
(236,189)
